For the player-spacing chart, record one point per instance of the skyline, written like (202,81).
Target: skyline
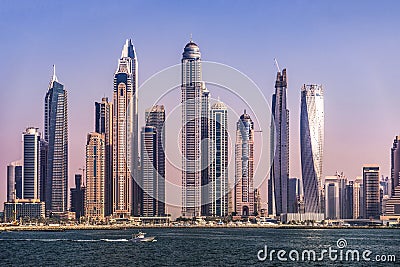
(81,104)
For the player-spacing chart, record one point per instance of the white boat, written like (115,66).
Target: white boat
(140,237)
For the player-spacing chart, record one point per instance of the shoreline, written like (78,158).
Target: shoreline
(126,227)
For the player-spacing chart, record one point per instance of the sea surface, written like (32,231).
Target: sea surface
(196,247)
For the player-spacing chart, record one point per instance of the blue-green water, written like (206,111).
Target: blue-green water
(190,247)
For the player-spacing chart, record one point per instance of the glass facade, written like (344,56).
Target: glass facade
(31,164)
(279,176)
(218,169)
(56,136)
(312,144)
(155,117)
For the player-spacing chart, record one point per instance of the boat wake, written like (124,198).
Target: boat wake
(86,240)
(114,240)
(61,239)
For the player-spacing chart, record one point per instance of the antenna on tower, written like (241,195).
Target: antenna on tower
(191,37)
(277,65)
(54,77)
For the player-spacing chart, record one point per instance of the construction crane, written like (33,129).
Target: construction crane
(277,65)
(83,176)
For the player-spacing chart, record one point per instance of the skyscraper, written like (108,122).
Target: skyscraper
(312,142)
(56,135)
(335,196)
(205,161)
(332,205)
(191,130)
(293,195)
(392,206)
(103,125)
(279,175)
(95,176)
(44,150)
(78,197)
(14,181)
(244,166)
(126,192)
(31,164)
(349,196)
(357,198)
(155,116)
(149,170)
(371,191)
(218,160)
(395,163)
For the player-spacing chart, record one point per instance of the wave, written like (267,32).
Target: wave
(114,240)
(35,239)
(86,240)
(62,239)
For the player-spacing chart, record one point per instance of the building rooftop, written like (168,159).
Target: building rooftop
(191,50)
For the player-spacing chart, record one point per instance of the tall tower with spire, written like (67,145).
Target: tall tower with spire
(126,191)
(279,179)
(195,105)
(56,135)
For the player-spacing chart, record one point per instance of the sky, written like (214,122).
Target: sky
(350,47)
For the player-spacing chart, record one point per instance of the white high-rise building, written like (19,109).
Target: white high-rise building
(14,180)
(334,187)
(218,170)
(312,144)
(193,91)
(126,192)
(244,166)
(357,198)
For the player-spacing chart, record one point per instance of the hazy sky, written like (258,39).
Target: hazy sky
(351,47)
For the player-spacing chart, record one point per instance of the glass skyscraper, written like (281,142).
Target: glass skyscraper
(155,117)
(56,135)
(149,170)
(392,206)
(279,175)
(312,144)
(205,160)
(31,164)
(218,169)
(371,193)
(44,150)
(126,192)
